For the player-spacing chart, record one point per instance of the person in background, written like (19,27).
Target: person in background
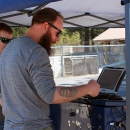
(26,78)
(5,36)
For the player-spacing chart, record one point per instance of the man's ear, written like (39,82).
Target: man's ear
(44,26)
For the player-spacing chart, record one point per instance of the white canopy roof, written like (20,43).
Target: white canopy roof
(77,13)
(111,34)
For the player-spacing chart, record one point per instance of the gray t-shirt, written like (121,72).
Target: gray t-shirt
(27,85)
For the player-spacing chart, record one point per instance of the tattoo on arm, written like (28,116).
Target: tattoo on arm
(67,92)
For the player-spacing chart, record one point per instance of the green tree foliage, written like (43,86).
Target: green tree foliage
(94,32)
(18,31)
(70,36)
(79,36)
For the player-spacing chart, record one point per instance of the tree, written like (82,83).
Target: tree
(70,36)
(79,36)
(19,31)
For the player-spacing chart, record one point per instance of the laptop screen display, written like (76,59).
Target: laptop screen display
(110,79)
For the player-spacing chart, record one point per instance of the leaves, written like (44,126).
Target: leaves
(70,36)
(19,31)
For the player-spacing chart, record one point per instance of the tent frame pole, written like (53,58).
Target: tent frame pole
(127,33)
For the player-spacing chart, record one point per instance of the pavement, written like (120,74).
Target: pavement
(74,81)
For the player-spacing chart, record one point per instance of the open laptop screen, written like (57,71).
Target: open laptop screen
(110,79)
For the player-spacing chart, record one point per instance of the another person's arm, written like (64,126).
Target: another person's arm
(66,94)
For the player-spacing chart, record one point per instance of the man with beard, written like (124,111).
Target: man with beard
(26,77)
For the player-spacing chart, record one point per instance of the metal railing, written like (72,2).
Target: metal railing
(83,60)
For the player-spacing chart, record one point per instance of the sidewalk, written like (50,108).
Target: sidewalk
(74,81)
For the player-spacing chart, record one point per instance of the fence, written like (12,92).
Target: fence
(83,60)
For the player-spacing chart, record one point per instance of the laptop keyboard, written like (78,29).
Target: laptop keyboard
(106,96)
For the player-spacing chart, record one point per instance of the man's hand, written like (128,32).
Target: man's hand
(93,88)
(66,94)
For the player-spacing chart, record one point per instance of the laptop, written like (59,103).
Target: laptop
(110,79)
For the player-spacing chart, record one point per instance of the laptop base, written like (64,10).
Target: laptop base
(105,96)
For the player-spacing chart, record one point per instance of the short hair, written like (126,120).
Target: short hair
(6,28)
(45,15)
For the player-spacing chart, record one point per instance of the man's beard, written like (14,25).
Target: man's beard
(46,41)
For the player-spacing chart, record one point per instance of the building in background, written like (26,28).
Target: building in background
(111,36)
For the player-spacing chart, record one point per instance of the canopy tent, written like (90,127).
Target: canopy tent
(9,5)
(17,13)
(77,13)
(111,34)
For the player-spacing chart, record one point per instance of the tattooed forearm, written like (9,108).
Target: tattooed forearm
(67,92)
